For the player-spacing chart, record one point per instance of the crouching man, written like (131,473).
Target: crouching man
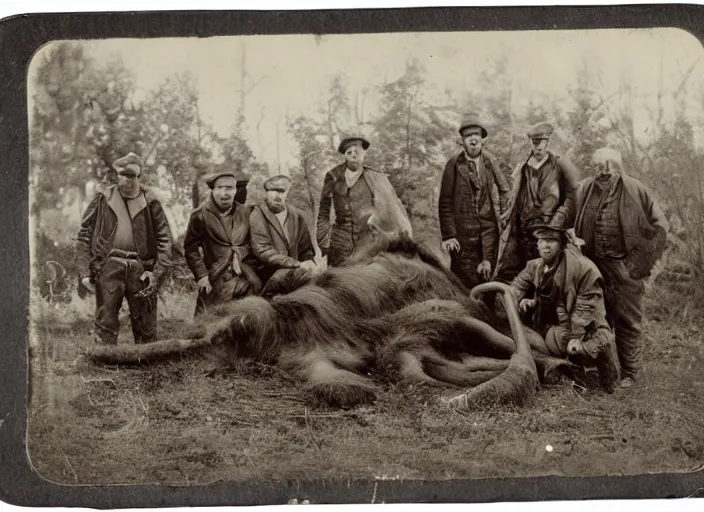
(124,247)
(279,233)
(217,246)
(568,310)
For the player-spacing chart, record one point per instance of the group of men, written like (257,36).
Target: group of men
(576,253)
(232,249)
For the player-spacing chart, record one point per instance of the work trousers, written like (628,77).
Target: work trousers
(119,279)
(624,312)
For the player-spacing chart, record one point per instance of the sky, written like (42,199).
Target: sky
(291,73)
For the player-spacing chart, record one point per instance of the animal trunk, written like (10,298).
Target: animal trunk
(519,382)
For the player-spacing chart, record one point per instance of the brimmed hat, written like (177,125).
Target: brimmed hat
(211,179)
(472,119)
(541,130)
(344,143)
(129,164)
(281,183)
(540,230)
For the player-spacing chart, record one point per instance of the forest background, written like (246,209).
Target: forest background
(265,105)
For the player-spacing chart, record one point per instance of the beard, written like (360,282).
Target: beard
(277,207)
(129,190)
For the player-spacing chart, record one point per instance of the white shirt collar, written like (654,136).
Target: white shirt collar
(535,164)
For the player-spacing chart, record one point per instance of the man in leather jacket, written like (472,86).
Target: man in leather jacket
(124,249)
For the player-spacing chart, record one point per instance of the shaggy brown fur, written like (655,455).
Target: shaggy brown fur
(392,310)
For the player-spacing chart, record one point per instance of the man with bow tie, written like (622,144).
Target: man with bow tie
(473,196)
(217,246)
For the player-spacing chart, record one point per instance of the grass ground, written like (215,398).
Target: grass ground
(192,421)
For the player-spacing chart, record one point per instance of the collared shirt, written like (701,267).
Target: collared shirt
(227,219)
(351,177)
(475,171)
(537,164)
(282,216)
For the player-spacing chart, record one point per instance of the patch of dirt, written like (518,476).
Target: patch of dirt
(192,421)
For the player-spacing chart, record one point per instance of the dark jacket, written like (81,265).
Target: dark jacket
(269,243)
(150,228)
(389,213)
(556,193)
(493,186)
(580,290)
(643,224)
(205,231)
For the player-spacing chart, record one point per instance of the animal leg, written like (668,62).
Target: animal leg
(457,373)
(484,363)
(410,370)
(333,386)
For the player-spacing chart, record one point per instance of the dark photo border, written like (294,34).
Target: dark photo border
(21,36)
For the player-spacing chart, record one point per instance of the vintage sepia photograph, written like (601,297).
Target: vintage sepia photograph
(422,256)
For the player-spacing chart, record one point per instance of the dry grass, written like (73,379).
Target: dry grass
(194,421)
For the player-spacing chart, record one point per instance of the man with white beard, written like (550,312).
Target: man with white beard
(625,233)
(124,248)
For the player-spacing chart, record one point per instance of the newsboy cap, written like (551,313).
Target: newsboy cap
(348,141)
(128,164)
(210,180)
(281,183)
(471,119)
(546,230)
(541,130)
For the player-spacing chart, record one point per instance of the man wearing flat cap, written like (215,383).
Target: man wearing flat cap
(279,233)
(625,232)
(357,193)
(217,246)
(125,248)
(542,193)
(473,196)
(564,291)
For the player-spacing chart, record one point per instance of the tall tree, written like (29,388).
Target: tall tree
(413,140)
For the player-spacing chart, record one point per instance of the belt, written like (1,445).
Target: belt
(129,255)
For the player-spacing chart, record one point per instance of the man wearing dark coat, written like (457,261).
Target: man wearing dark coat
(567,305)
(355,192)
(473,196)
(279,233)
(542,193)
(124,249)
(217,246)
(625,233)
